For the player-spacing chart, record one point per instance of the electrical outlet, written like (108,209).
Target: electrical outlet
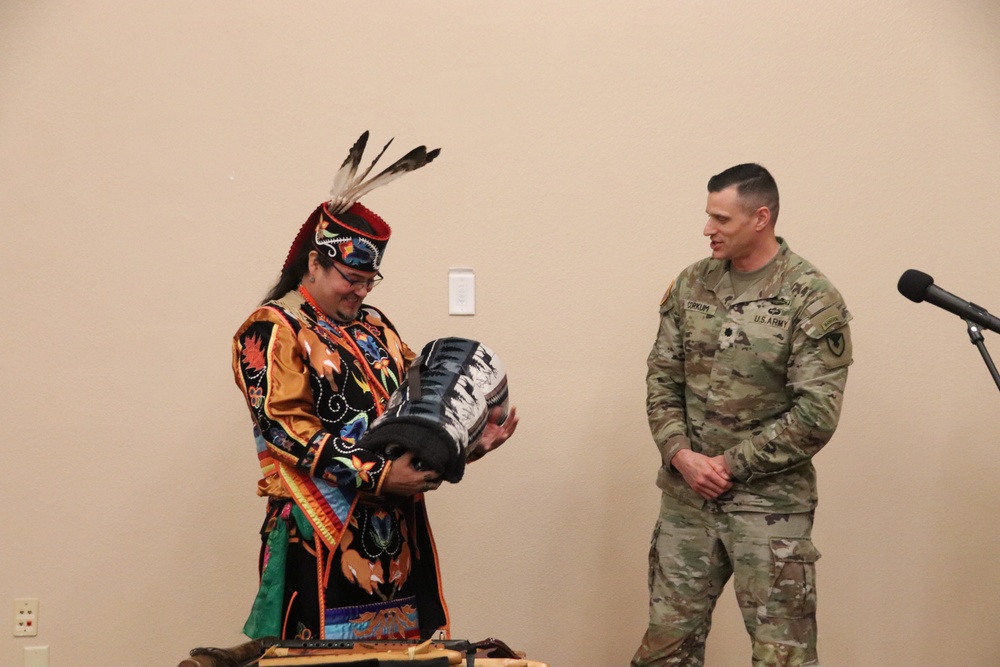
(25,617)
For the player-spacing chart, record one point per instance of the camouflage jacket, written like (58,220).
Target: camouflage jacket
(757,377)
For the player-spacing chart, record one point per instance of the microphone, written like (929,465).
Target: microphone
(917,286)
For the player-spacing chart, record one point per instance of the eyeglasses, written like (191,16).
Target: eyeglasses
(368,284)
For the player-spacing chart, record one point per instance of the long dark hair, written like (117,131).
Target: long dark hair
(297,268)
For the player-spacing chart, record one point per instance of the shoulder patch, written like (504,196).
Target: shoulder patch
(666,295)
(837,342)
(835,348)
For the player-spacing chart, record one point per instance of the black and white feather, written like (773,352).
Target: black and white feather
(349,187)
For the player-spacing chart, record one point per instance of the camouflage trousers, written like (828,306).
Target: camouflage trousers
(772,561)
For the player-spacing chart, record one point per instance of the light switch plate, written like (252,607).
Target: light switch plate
(461,292)
(36,656)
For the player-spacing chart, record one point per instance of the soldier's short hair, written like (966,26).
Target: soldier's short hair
(754,184)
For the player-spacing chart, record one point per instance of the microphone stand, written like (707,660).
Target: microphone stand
(976,336)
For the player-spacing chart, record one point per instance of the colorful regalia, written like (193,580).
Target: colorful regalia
(339,559)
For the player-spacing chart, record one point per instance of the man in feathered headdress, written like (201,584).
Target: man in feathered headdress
(347,552)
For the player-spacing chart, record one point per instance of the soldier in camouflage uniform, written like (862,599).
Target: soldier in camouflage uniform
(745,385)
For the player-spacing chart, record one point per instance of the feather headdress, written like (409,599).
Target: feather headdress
(348,188)
(343,229)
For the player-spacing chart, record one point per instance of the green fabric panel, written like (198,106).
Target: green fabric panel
(265,615)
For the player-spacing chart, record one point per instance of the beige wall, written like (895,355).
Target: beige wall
(158,157)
